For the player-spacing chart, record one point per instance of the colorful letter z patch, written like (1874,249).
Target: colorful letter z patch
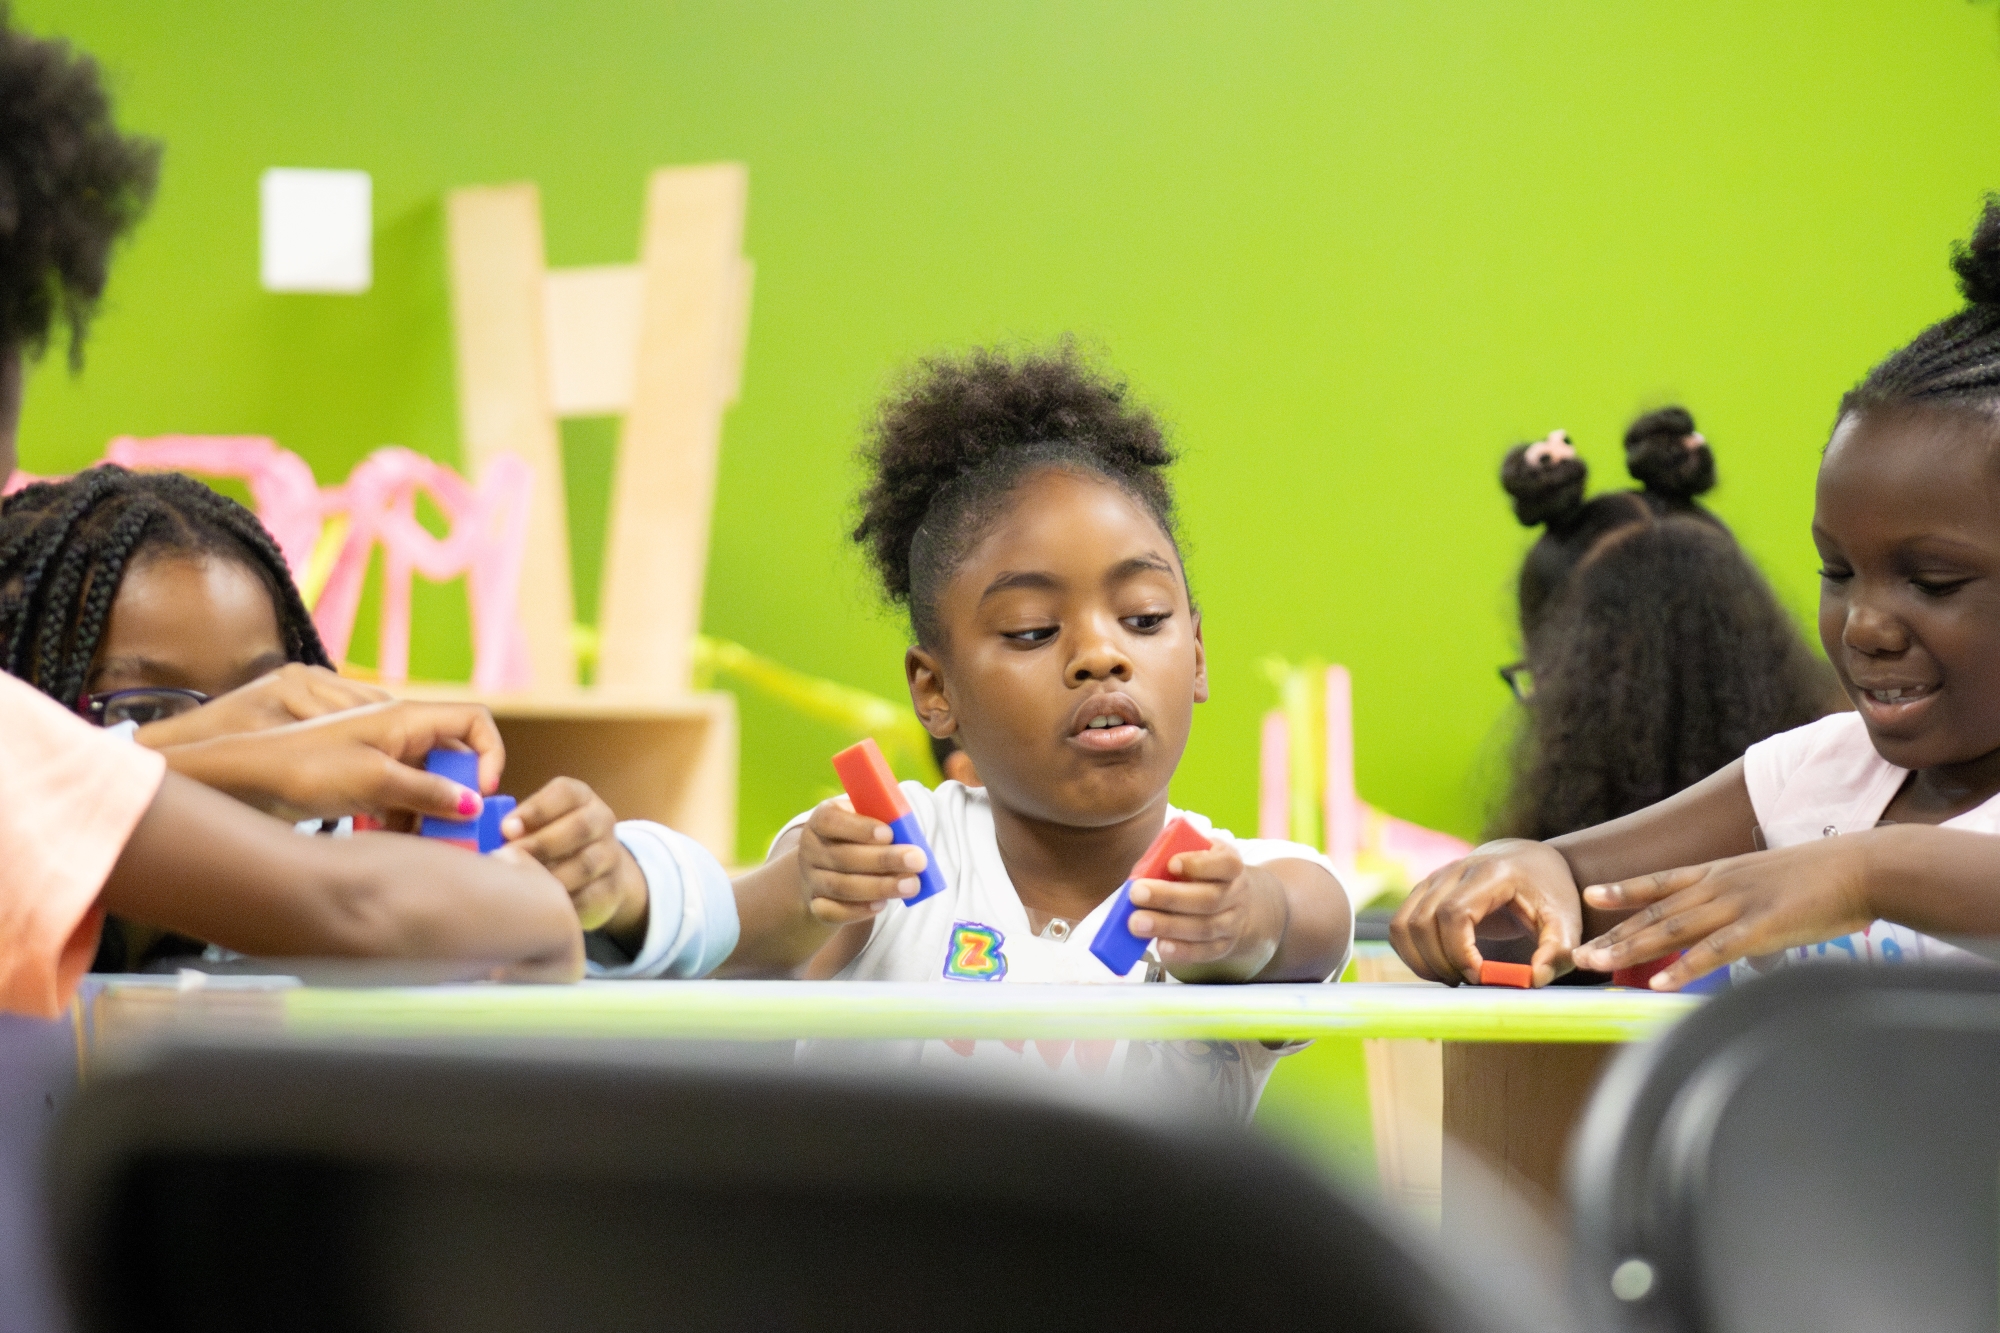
(975,954)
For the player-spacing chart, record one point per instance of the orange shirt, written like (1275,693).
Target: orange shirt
(69,798)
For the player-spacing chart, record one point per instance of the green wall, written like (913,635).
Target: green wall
(1350,250)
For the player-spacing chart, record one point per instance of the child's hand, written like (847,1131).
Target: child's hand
(1436,929)
(568,828)
(292,693)
(1218,921)
(1737,908)
(850,866)
(366,760)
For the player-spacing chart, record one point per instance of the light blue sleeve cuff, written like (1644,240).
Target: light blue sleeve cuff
(691,923)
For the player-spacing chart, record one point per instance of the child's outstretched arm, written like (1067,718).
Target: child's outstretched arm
(359,760)
(1223,921)
(202,865)
(1936,880)
(294,692)
(1534,885)
(838,869)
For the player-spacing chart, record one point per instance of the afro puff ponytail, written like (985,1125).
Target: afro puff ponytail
(954,440)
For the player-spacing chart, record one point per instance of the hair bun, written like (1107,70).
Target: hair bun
(1668,456)
(1545,479)
(1977,262)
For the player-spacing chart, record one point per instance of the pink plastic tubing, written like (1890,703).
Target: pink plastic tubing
(282,489)
(1274,778)
(1343,822)
(486,541)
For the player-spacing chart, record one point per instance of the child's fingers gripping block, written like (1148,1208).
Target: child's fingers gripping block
(871,786)
(1518,975)
(1115,945)
(462,767)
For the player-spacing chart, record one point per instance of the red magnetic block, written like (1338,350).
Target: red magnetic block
(1641,975)
(1506,974)
(870,782)
(1177,837)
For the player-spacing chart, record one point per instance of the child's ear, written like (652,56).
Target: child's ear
(927,692)
(1200,663)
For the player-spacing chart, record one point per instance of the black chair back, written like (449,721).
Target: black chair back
(1818,1150)
(323,1188)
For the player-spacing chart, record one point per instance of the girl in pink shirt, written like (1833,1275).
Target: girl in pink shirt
(1820,837)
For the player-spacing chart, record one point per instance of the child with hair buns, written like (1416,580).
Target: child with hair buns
(1019,508)
(1866,834)
(1654,651)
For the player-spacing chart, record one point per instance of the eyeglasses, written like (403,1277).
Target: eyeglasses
(1519,679)
(140,706)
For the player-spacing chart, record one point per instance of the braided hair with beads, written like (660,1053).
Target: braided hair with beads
(66,545)
(1956,361)
(960,434)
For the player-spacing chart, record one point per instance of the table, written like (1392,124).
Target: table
(1517,1066)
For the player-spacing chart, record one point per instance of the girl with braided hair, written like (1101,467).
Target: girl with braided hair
(1654,651)
(1018,507)
(136,598)
(1859,836)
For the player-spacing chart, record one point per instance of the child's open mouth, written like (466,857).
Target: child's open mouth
(1890,704)
(1107,723)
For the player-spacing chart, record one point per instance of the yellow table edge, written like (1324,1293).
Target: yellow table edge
(768,1011)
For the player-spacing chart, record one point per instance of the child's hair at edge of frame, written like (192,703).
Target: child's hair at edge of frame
(1956,361)
(70,186)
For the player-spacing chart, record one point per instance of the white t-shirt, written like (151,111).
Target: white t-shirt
(976,931)
(1825,779)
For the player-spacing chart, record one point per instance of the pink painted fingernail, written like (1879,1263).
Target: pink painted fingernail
(468,804)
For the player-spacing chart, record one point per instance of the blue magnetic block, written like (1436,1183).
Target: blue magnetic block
(1116,946)
(462,767)
(907,833)
(497,809)
(1708,983)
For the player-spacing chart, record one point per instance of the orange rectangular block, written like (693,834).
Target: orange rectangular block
(870,782)
(1177,837)
(1506,974)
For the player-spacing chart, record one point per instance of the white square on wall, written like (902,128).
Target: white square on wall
(318,229)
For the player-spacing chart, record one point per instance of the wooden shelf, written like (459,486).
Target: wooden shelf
(671,759)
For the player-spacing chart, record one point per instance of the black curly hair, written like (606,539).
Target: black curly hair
(1955,363)
(1664,657)
(70,186)
(66,545)
(1656,650)
(957,437)
(1665,454)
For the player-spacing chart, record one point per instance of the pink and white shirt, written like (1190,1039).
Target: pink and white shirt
(1820,781)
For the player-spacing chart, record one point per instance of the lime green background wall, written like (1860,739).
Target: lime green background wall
(1350,250)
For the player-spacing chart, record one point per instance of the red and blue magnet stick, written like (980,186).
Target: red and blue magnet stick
(871,786)
(462,767)
(1116,946)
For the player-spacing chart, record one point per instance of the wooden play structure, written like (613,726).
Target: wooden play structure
(659,342)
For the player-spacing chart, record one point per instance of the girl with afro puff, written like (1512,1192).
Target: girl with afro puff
(1018,508)
(1653,650)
